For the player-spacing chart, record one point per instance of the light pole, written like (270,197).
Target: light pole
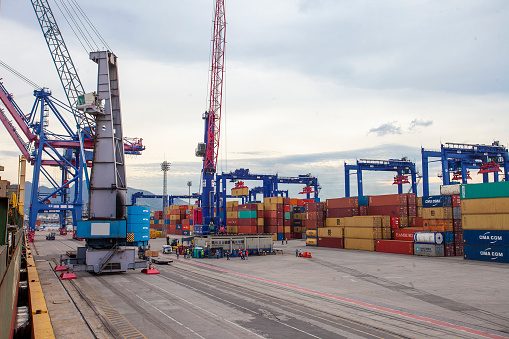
(165,167)
(189,184)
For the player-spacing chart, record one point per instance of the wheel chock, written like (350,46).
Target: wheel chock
(67,276)
(60,268)
(149,271)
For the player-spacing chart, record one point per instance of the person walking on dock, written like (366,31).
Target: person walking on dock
(177,252)
(227,255)
(247,254)
(296,252)
(217,254)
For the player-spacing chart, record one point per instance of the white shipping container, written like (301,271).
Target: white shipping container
(450,189)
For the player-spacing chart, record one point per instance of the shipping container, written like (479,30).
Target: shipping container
(363,200)
(359,244)
(437,201)
(457,226)
(311,233)
(449,250)
(390,210)
(232,229)
(485,190)
(485,206)
(448,237)
(437,213)
(395,246)
(333,222)
(486,238)
(406,234)
(456,201)
(363,210)
(487,253)
(342,203)
(453,189)
(388,200)
(363,233)
(342,212)
(429,238)
(458,249)
(311,242)
(363,221)
(456,212)
(429,250)
(499,222)
(330,242)
(330,232)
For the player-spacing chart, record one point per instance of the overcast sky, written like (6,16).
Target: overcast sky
(308,84)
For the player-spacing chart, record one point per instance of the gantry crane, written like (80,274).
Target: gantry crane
(209,149)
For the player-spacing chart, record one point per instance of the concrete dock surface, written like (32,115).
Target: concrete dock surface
(335,294)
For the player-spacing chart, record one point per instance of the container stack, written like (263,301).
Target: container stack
(485,221)
(361,232)
(232,216)
(157,223)
(311,237)
(248,219)
(457,228)
(438,217)
(401,206)
(299,215)
(273,217)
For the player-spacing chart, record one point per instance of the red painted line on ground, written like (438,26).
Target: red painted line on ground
(380,308)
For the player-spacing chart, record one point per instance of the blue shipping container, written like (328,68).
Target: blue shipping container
(437,201)
(179,227)
(364,200)
(449,237)
(487,238)
(186,232)
(137,219)
(133,228)
(487,253)
(280,236)
(138,210)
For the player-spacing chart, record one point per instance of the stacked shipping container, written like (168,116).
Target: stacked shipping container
(485,221)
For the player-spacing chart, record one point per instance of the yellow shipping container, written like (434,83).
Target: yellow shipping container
(174,216)
(386,233)
(418,201)
(311,241)
(364,233)
(419,211)
(259,206)
(485,206)
(287,229)
(403,222)
(269,206)
(311,233)
(293,201)
(193,207)
(232,215)
(330,232)
(274,200)
(232,229)
(363,221)
(299,216)
(386,220)
(437,212)
(260,222)
(274,237)
(237,192)
(299,229)
(174,207)
(332,222)
(360,244)
(231,204)
(495,222)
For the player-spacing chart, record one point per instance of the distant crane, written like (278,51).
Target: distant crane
(210,147)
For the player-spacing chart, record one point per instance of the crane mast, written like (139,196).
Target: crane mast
(210,148)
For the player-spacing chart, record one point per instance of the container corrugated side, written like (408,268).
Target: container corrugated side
(360,244)
(486,253)
(486,238)
(485,190)
(485,206)
(429,250)
(498,222)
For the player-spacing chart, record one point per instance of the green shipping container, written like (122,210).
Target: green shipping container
(485,190)
(288,215)
(247,214)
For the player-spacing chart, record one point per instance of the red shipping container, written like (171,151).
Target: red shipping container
(232,222)
(287,222)
(314,207)
(280,229)
(459,249)
(286,201)
(395,246)
(248,207)
(287,236)
(456,201)
(342,203)
(186,222)
(457,226)
(178,232)
(260,229)
(388,200)
(394,222)
(390,210)
(411,200)
(270,222)
(297,235)
(287,208)
(174,212)
(412,210)
(330,242)
(458,237)
(363,210)
(417,222)
(280,208)
(301,202)
(406,234)
(247,222)
(174,222)
(269,229)
(197,216)
(342,212)
(248,229)
(449,250)
(185,227)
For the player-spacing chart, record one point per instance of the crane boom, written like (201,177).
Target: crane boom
(216,89)
(63,62)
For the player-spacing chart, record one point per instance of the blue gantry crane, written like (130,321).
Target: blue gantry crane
(403,167)
(457,159)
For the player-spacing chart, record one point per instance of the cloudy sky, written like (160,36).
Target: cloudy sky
(308,84)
